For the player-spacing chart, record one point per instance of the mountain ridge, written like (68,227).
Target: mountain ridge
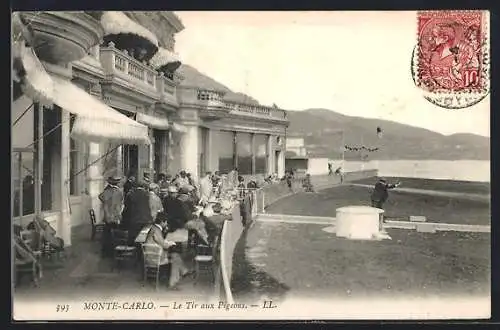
(319,128)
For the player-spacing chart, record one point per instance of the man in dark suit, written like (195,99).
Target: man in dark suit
(129,184)
(136,213)
(380,195)
(112,199)
(173,209)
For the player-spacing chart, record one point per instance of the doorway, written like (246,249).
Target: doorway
(276,161)
(130,159)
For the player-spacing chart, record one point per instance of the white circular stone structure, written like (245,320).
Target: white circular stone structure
(358,222)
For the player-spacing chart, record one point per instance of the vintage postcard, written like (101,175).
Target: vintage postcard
(250,165)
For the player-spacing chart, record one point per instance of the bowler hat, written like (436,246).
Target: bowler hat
(114,179)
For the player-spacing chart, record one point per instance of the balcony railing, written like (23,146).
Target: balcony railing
(214,100)
(121,64)
(259,110)
(166,87)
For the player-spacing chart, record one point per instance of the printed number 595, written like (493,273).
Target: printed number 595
(62,308)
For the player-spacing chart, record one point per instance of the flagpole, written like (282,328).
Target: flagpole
(343,148)
(361,154)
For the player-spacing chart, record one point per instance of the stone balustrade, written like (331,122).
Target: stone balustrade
(259,110)
(120,63)
(166,88)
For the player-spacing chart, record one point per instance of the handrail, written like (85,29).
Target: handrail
(225,276)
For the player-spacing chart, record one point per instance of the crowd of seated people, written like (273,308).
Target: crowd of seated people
(170,205)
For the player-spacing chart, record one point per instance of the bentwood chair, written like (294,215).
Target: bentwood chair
(152,257)
(96,228)
(122,251)
(204,262)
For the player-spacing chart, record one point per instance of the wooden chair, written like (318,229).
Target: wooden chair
(96,228)
(204,262)
(27,261)
(152,257)
(122,251)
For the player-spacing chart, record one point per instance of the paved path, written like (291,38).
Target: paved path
(471,196)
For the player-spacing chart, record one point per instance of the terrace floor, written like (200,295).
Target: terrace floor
(83,272)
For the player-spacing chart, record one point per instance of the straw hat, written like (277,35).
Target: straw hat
(172,189)
(114,180)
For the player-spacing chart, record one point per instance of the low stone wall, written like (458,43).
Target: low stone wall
(272,193)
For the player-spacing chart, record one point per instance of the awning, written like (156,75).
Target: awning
(95,120)
(116,22)
(152,121)
(163,58)
(97,130)
(36,83)
(179,128)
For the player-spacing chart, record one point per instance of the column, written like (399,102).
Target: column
(235,149)
(152,154)
(253,153)
(270,155)
(281,163)
(95,179)
(119,161)
(164,152)
(64,224)
(209,152)
(38,112)
(189,150)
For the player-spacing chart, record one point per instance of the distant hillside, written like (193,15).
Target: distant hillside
(399,141)
(193,77)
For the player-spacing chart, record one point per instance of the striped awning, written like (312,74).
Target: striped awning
(164,57)
(35,82)
(152,121)
(116,22)
(95,120)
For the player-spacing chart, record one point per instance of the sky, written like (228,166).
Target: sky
(355,63)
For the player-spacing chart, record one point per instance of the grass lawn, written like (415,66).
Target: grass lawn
(400,204)
(439,185)
(302,260)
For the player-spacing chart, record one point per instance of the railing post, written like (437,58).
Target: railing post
(263,201)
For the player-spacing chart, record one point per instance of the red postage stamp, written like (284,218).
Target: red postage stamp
(451,56)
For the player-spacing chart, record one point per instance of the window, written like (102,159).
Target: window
(110,160)
(51,174)
(225,151)
(159,142)
(244,152)
(78,162)
(130,159)
(23,177)
(260,153)
(23,156)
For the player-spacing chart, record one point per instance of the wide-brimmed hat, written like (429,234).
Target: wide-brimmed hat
(382,180)
(186,189)
(153,186)
(114,179)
